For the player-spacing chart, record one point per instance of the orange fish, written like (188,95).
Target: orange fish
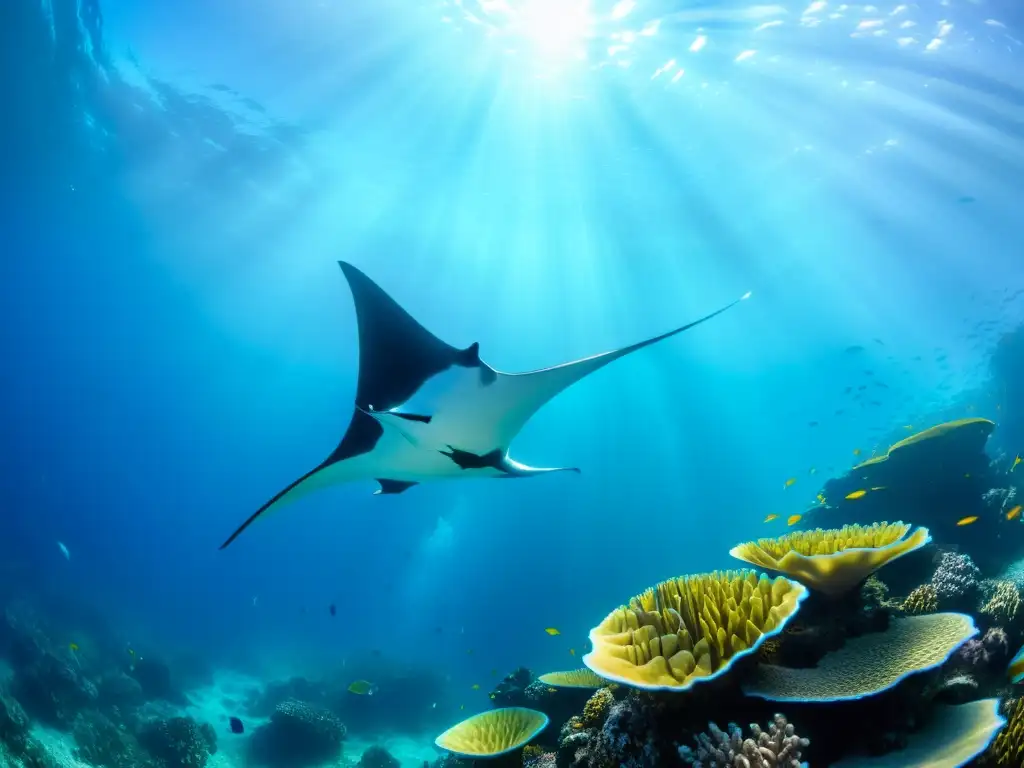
(793,519)
(1013,512)
(967,520)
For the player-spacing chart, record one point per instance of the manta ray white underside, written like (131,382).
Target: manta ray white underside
(428,411)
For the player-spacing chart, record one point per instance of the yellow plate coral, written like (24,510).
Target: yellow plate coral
(833,561)
(868,664)
(951,738)
(962,435)
(576,678)
(691,628)
(494,733)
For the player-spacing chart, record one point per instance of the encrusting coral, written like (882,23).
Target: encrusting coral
(922,599)
(868,664)
(596,708)
(833,561)
(691,628)
(778,747)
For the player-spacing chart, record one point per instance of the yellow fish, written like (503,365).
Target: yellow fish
(552,690)
(1013,512)
(878,488)
(789,482)
(821,498)
(1016,669)
(770,518)
(572,651)
(362,688)
(552,631)
(856,494)
(1015,463)
(856,451)
(908,426)
(793,519)
(492,695)
(967,520)
(74,646)
(475,686)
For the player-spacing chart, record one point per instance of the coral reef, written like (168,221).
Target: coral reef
(596,709)
(987,655)
(1007,751)
(102,743)
(298,734)
(179,742)
(576,678)
(691,629)
(1000,602)
(778,747)
(511,690)
(956,579)
(833,561)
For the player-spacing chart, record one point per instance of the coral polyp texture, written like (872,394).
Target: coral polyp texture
(1008,749)
(493,733)
(956,576)
(833,561)
(691,628)
(952,737)
(868,664)
(1003,602)
(778,747)
(922,599)
(576,678)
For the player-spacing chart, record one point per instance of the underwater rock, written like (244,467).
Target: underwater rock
(154,676)
(297,735)
(14,723)
(120,690)
(53,690)
(778,747)
(377,757)
(629,737)
(956,580)
(511,691)
(104,744)
(984,656)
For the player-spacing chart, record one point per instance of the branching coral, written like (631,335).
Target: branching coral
(778,747)
(1002,602)
(922,599)
(691,628)
(955,577)
(833,561)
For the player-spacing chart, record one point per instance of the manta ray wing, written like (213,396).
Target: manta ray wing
(479,414)
(397,356)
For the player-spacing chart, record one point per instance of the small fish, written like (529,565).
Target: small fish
(856,451)
(492,697)
(771,517)
(74,646)
(552,690)
(254,599)
(789,482)
(967,520)
(856,494)
(236,725)
(813,470)
(552,631)
(67,555)
(793,519)
(821,498)
(1016,668)
(878,488)
(572,651)
(475,687)
(362,688)
(812,423)
(1013,512)
(967,474)
(462,706)
(908,427)
(333,609)
(1016,461)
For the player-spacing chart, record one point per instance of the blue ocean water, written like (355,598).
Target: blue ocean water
(551,180)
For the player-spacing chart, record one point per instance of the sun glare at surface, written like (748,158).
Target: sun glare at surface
(556,27)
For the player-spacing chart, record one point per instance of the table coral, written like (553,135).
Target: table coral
(778,747)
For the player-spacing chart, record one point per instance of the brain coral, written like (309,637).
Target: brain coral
(833,561)
(868,664)
(691,628)
(493,733)
(952,737)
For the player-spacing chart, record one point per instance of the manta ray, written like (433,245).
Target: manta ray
(425,410)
